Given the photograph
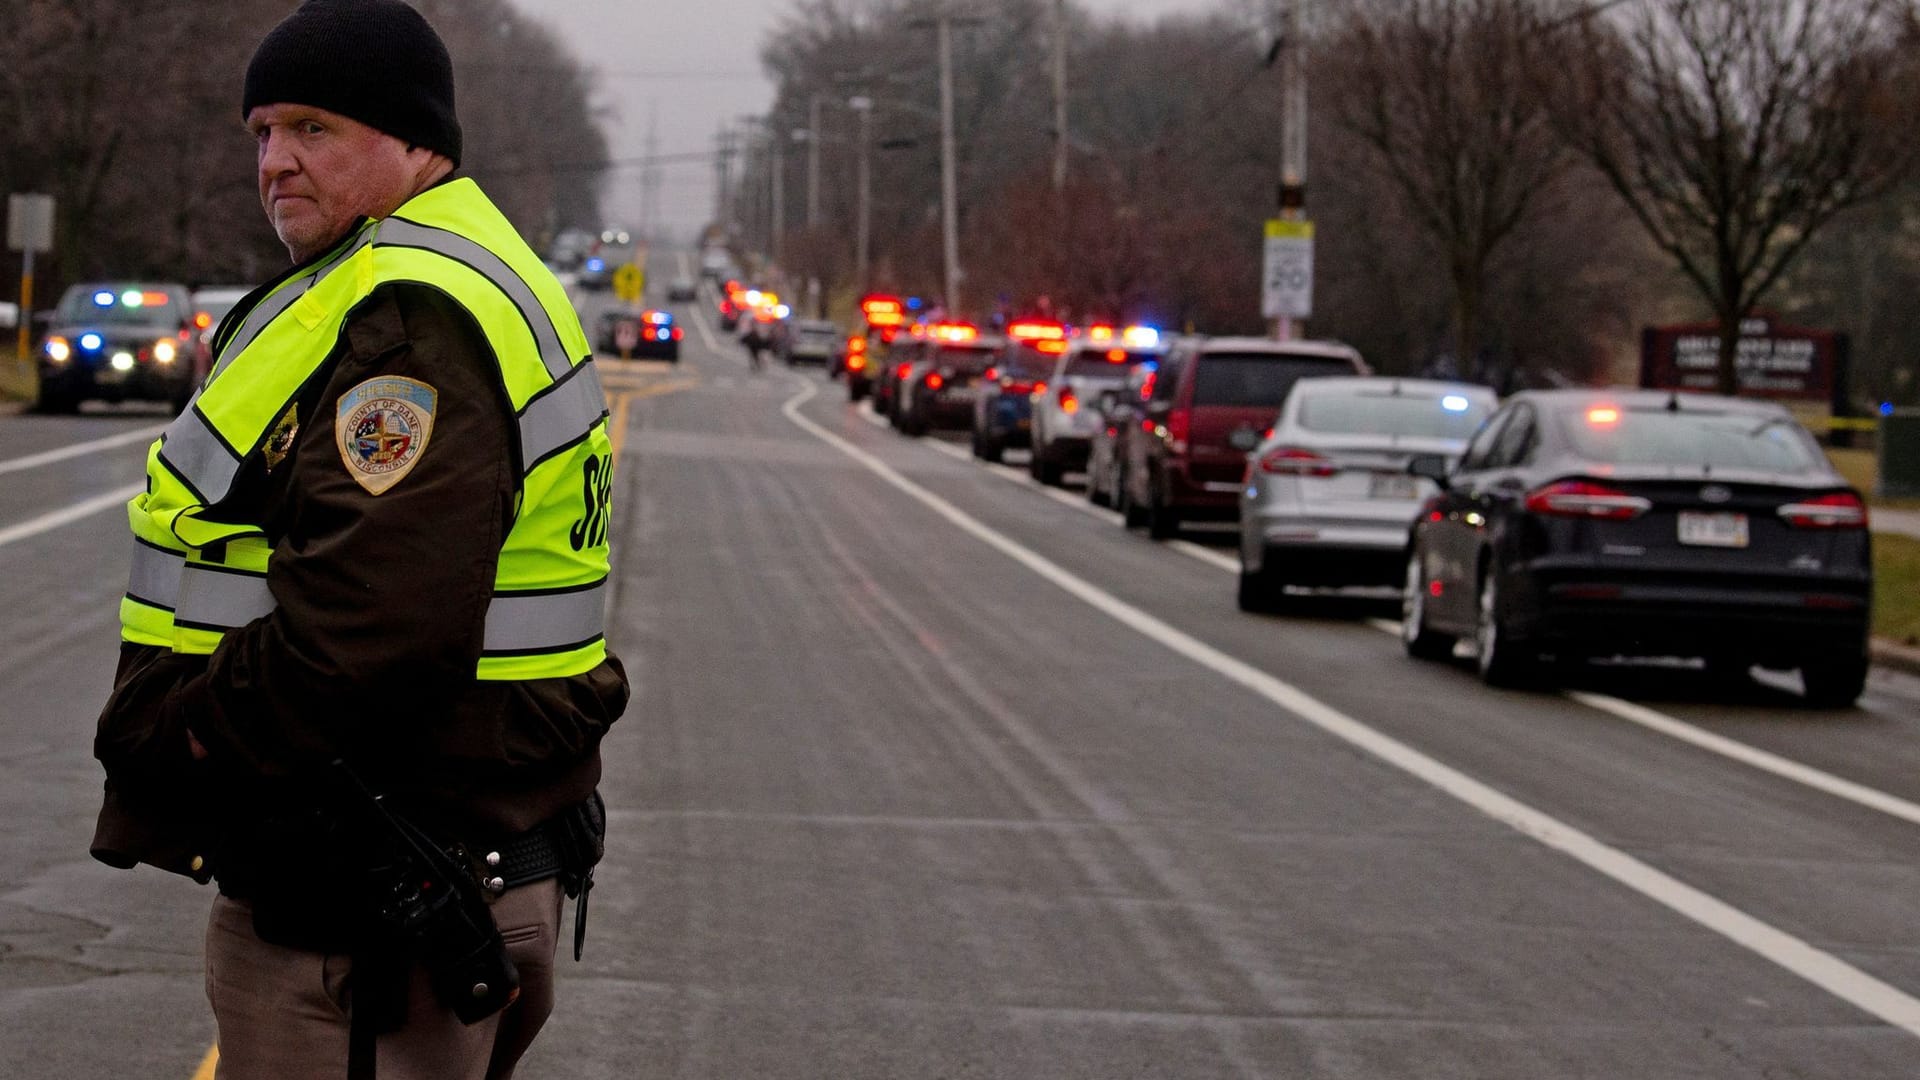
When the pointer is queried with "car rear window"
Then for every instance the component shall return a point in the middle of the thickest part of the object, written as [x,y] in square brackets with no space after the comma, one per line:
[1409,415]
[1097,362]
[1257,379]
[961,356]
[1715,440]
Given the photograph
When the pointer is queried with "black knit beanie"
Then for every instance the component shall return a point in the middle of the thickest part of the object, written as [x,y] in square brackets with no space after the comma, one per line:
[376,61]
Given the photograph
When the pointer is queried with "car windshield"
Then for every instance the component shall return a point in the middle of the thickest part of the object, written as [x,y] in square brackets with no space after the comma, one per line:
[966,357]
[1452,416]
[1762,443]
[817,329]
[1096,362]
[1257,379]
[109,305]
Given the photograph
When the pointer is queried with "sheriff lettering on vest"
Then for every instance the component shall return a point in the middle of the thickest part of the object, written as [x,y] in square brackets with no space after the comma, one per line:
[363,681]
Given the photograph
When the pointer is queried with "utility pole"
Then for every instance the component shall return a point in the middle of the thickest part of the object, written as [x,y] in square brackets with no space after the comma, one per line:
[949,193]
[813,162]
[777,177]
[1293,135]
[863,195]
[1059,95]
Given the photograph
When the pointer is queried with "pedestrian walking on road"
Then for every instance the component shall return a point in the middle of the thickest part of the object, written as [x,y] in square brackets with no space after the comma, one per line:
[363,680]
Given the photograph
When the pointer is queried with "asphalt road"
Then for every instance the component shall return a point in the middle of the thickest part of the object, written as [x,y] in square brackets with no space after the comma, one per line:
[929,773]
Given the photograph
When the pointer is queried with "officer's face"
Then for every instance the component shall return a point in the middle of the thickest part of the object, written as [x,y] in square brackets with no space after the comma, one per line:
[320,172]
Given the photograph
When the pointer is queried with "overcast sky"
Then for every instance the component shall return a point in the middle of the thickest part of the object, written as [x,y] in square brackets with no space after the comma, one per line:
[691,65]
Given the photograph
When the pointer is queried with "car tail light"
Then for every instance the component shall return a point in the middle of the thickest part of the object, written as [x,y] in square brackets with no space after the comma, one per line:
[856,362]
[1838,510]
[992,375]
[1179,423]
[1069,401]
[1293,461]
[1039,389]
[1013,386]
[1586,499]
[900,372]
[935,381]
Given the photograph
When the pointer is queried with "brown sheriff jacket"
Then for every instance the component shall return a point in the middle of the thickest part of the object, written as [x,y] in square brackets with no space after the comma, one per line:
[371,651]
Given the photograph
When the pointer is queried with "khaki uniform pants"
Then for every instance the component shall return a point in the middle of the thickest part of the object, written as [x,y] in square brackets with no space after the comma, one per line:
[283,1013]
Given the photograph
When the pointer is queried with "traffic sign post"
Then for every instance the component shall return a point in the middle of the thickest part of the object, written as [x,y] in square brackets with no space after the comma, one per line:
[1287,270]
[628,282]
[29,230]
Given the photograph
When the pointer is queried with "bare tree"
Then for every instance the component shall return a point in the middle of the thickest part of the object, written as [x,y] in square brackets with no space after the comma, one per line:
[1441,92]
[1735,129]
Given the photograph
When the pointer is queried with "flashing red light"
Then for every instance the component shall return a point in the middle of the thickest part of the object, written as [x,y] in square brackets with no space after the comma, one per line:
[1838,510]
[1586,499]
[1035,330]
[1294,461]
[1100,333]
[873,304]
[1051,348]
[888,333]
[935,381]
[1146,385]
[856,344]
[1603,416]
[953,332]
[676,333]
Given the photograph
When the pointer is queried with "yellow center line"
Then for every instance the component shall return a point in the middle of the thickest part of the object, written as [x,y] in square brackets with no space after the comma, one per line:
[205,1071]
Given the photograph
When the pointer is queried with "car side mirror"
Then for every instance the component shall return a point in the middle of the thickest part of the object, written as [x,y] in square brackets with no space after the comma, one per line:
[1432,466]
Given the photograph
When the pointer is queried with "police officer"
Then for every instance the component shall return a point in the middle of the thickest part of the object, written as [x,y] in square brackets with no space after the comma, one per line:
[371,558]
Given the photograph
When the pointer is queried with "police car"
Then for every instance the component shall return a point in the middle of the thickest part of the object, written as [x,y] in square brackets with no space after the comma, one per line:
[648,334]
[1065,416]
[936,385]
[120,341]
[1003,411]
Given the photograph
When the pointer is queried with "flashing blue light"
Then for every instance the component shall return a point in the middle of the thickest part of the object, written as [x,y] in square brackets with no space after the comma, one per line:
[1886,408]
[1454,403]
[1150,365]
[91,341]
[103,298]
[914,303]
[596,265]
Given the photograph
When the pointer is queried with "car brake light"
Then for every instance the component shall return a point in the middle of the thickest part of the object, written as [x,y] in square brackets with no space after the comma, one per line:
[901,371]
[1586,499]
[856,362]
[1293,461]
[1178,423]
[1838,510]
[934,381]
[1039,389]
[676,333]
[1069,401]
[993,374]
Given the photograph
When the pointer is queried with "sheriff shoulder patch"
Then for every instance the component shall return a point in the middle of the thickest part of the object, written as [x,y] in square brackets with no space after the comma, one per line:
[382,427]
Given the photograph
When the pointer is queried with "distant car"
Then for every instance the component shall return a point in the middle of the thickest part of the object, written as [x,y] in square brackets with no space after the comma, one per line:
[1065,419]
[570,248]
[1643,523]
[1120,412]
[1003,411]
[1213,401]
[715,264]
[120,341]
[810,341]
[681,290]
[943,379]
[655,334]
[210,305]
[1327,499]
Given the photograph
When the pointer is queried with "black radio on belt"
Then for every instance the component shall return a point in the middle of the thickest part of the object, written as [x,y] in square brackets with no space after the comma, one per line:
[426,904]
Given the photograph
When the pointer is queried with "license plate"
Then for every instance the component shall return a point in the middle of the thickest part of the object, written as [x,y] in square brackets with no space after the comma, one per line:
[1713,530]
[1392,486]
[960,393]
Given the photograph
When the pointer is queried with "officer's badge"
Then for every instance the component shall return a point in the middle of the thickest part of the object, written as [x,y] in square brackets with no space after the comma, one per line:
[280,440]
[381,428]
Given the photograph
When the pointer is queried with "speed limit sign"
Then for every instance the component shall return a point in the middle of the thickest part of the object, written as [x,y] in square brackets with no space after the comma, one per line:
[1287,270]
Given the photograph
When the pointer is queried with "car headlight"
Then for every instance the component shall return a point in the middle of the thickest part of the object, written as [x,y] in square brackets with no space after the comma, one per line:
[123,361]
[58,350]
[164,351]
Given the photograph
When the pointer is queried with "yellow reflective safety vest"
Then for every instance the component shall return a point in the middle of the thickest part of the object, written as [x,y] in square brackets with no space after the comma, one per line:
[200,568]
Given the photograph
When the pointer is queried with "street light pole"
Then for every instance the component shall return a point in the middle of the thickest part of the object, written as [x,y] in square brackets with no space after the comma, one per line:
[949,195]
[864,190]
[1293,134]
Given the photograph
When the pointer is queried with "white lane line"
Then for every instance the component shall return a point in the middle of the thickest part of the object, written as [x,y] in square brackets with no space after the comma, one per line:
[1817,966]
[1749,755]
[700,324]
[48,457]
[1217,559]
[871,417]
[87,508]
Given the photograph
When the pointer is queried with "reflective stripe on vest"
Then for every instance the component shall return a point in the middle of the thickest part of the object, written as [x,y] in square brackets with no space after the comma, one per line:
[546,616]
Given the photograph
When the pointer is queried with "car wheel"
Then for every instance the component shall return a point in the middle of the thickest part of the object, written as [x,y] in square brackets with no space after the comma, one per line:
[1421,642]
[1045,469]
[1132,514]
[1097,492]
[1163,521]
[1261,591]
[856,391]
[991,450]
[1836,682]
[56,402]
[1502,660]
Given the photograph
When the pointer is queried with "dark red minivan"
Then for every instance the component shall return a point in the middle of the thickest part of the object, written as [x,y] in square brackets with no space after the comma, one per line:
[1188,459]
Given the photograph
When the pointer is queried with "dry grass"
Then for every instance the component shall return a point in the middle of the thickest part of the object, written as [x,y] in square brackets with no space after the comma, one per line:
[1861,470]
[1896,588]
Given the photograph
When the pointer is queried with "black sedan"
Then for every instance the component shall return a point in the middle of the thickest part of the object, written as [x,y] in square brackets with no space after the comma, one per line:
[120,341]
[644,334]
[1643,523]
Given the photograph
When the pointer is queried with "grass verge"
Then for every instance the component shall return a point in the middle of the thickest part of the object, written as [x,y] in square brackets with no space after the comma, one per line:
[1896,588]
[1861,469]
[17,381]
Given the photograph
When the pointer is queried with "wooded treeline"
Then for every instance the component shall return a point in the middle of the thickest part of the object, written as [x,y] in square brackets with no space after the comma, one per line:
[128,113]
[1508,188]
